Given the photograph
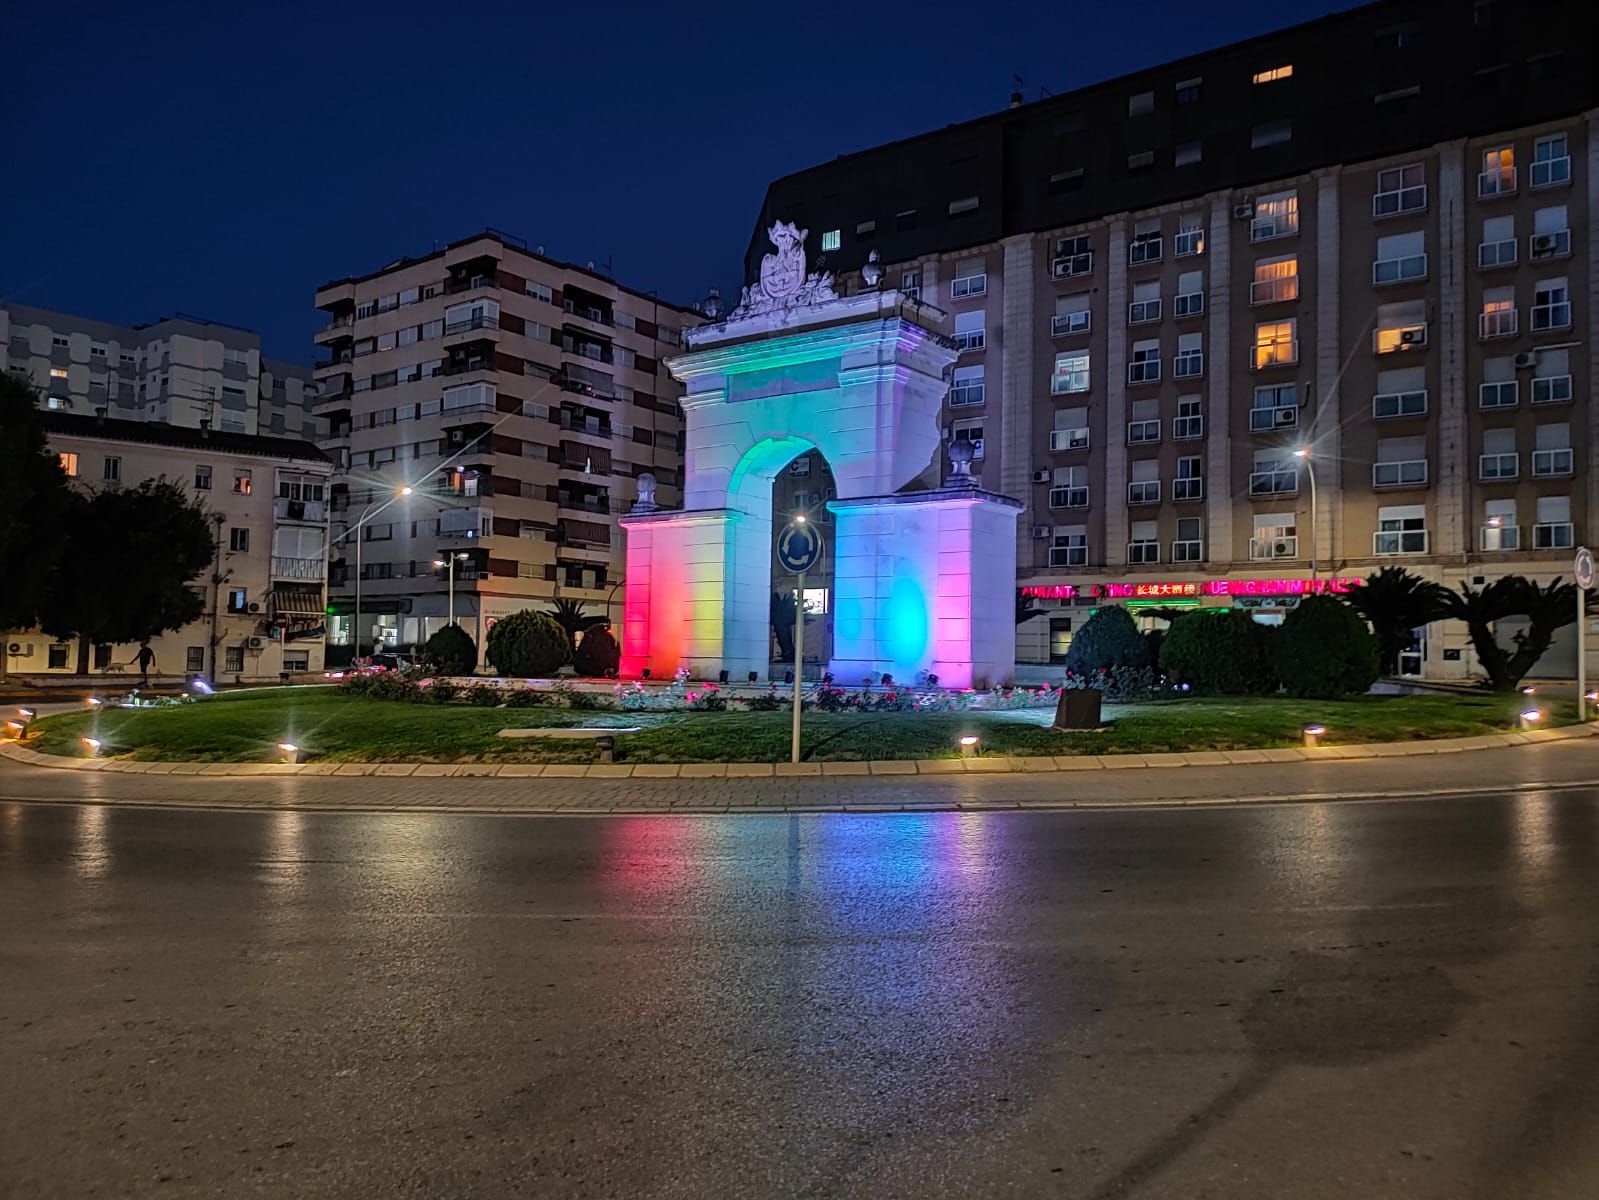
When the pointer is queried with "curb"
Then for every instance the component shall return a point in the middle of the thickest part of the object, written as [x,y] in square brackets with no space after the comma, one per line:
[878,767]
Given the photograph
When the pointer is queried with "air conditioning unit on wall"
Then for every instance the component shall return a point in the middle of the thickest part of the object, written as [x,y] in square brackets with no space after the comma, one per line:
[1041,531]
[1041,476]
[256,643]
[1244,211]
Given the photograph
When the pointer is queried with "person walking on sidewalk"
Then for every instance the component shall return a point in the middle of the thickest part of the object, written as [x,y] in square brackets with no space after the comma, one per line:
[145,658]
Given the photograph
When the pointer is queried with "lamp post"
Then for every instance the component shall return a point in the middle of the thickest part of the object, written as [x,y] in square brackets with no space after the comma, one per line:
[1310,470]
[370,510]
[449,562]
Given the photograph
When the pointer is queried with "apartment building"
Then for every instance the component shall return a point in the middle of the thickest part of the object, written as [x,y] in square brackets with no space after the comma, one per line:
[1269,318]
[517,397]
[266,607]
[180,370]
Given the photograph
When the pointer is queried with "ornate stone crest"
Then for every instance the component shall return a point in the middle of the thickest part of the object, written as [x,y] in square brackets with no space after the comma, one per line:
[784,282]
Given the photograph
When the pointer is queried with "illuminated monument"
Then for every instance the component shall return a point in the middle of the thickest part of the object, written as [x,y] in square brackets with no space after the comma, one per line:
[923,579]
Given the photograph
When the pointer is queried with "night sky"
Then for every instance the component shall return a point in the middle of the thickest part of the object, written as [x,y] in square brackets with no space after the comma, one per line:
[221,161]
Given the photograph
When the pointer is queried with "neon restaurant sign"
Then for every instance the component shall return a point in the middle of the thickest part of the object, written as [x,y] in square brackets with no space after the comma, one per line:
[1191,589]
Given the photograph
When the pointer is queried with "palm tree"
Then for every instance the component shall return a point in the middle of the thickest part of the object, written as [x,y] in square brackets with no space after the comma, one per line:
[1395,603]
[1024,609]
[1547,609]
[570,616]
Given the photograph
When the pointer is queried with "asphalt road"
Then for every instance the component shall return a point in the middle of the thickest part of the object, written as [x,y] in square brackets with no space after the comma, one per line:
[1319,1000]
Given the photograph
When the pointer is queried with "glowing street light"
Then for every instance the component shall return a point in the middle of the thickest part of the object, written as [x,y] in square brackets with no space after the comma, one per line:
[449,561]
[1304,453]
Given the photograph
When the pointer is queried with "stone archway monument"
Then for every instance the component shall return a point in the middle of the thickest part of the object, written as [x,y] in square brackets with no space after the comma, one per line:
[924,578]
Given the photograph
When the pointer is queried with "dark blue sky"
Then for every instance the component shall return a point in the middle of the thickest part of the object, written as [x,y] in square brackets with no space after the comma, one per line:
[223,159]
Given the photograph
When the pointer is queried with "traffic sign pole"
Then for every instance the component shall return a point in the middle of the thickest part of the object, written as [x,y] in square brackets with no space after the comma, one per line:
[1582,569]
[798,548]
[799,663]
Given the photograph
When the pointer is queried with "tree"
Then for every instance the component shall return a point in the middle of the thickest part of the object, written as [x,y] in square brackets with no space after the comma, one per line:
[151,542]
[1324,650]
[1108,639]
[1395,603]
[527,643]
[1547,609]
[570,616]
[451,651]
[597,655]
[1026,610]
[782,618]
[1221,651]
[35,498]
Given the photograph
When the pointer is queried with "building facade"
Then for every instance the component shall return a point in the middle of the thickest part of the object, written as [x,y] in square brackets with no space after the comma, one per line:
[517,397]
[265,600]
[1271,317]
[179,370]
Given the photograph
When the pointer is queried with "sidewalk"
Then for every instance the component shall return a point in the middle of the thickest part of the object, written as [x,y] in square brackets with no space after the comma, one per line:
[1545,759]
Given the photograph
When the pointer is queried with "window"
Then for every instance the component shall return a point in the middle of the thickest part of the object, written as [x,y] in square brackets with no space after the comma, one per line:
[1276,280]
[364,310]
[409,335]
[234,659]
[1498,317]
[238,540]
[1273,74]
[1276,215]
[1551,161]
[1072,258]
[58,342]
[1551,453]
[1401,327]
[1551,377]
[969,332]
[1190,295]
[111,471]
[971,279]
[1188,91]
[1272,133]
[865,229]
[1189,484]
[1274,535]
[58,372]
[57,659]
[540,292]
[1071,315]
[831,240]
[1401,462]
[1069,180]
[1140,103]
[970,431]
[241,483]
[1498,459]
[238,600]
[202,478]
[1401,258]
[1141,161]
[1274,407]
[1143,544]
[1144,366]
[1146,245]
[1498,245]
[1071,430]
[1499,388]
[1400,393]
[296,662]
[1553,530]
[966,204]
[1069,487]
[1551,233]
[1145,305]
[69,463]
[1190,422]
[1401,529]
[1069,546]
[1190,235]
[966,387]
[1276,344]
[1060,639]
[1498,177]
[905,222]
[1499,528]
[910,282]
[194,659]
[1551,306]
[1187,547]
[1143,425]
[1400,190]
[1071,374]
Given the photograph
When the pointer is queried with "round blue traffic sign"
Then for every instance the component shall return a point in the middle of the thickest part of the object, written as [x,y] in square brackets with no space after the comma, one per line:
[798,547]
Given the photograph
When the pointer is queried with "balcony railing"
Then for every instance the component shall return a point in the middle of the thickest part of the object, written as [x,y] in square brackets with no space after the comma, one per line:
[1401,541]
[1142,312]
[1188,242]
[1552,535]
[299,510]
[1274,354]
[1264,420]
[1072,266]
[1143,491]
[1143,432]
[971,339]
[1497,323]
[1068,497]
[1143,553]
[297,568]
[1387,271]
[1068,439]
[1496,254]
[1261,549]
[476,321]
[1278,289]
[1388,405]
[1145,249]
[1188,489]
[1399,339]
[1144,370]
[1065,323]
[1270,227]
[1492,467]
[1551,316]
[1551,172]
[963,395]
[1503,393]
[467,283]
[1542,246]
[1399,200]
[965,286]
[1550,463]
[1068,556]
[1189,304]
[1186,429]
[1190,364]
[1410,472]
[1497,181]
[1187,552]
[1551,389]
[1278,481]
[1500,537]
[595,504]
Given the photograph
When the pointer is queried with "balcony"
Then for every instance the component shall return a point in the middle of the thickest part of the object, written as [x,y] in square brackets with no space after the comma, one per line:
[965,287]
[1552,535]
[1547,318]
[1494,467]
[1400,339]
[971,339]
[1272,226]
[588,424]
[466,283]
[1187,552]
[1142,312]
[1551,172]
[583,502]
[1142,433]
[1274,354]
[1143,491]
[1146,249]
[1399,200]
[1496,536]
[298,568]
[1188,490]
[1188,242]
[1143,553]
[1264,420]
[1551,389]
[1190,364]
[1068,497]
[465,366]
[1144,370]
[1544,246]
[1388,271]
[467,324]
[964,395]
[1399,541]
[1504,393]
[1063,324]
[1276,481]
[1262,549]
[1189,304]
[1386,406]
[1068,439]
[1491,255]
[313,511]
[1496,182]
[1068,556]
[1072,266]
[1549,464]
[589,312]
[1187,429]
[1497,323]
[1407,473]
[1276,290]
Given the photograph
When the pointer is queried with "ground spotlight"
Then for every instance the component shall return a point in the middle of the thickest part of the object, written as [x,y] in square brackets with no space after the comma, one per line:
[202,687]
[93,702]
[969,744]
[1312,734]
[92,745]
[1528,717]
[288,752]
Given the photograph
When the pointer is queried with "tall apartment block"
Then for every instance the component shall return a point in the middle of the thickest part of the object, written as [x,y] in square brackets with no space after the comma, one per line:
[180,370]
[1278,314]
[517,397]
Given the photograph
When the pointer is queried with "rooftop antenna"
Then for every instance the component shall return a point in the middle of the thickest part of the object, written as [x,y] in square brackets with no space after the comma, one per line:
[1016,92]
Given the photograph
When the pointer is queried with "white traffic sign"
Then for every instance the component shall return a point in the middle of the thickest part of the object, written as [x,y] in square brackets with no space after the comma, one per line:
[1582,566]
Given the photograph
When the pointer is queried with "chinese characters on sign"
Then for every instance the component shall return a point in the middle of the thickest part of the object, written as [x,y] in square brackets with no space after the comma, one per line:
[1210,587]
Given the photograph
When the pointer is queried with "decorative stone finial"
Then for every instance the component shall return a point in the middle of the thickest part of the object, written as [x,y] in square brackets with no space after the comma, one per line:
[960,465]
[872,272]
[646,494]
[784,283]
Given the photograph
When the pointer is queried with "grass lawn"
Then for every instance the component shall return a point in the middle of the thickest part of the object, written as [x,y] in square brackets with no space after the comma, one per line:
[246,726]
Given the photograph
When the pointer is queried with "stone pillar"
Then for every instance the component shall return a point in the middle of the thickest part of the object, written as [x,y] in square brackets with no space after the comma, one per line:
[1114,496]
[1326,440]
[1588,532]
[1017,334]
[1219,498]
[1449,519]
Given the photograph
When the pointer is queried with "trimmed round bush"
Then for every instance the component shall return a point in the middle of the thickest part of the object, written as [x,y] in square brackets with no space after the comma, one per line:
[1107,640]
[597,656]
[451,651]
[1220,651]
[527,643]
[1324,650]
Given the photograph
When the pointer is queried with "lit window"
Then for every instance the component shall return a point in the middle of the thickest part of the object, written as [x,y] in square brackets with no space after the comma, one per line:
[69,463]
[1276,280]
[1071,374]
[238,600]
[831,240]
[58,372]
[1276,215]
[1273,74]
[1276,344]
[241,483]
[1498,176]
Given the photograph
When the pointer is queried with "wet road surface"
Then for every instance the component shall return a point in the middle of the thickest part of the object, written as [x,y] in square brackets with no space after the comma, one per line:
[1358,1000]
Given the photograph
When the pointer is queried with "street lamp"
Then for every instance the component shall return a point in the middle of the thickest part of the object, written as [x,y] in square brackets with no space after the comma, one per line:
[1310,470]
[450,563]
[370,510]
